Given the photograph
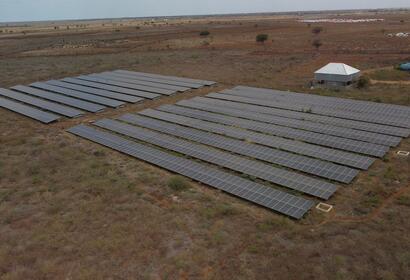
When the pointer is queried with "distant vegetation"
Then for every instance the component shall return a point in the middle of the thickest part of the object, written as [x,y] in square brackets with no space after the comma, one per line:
[261,38]
[363,82]
[317,43]
[317,30]
[204,33]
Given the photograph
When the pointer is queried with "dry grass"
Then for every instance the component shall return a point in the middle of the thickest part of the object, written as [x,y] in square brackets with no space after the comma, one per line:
[72,209]
[391,74]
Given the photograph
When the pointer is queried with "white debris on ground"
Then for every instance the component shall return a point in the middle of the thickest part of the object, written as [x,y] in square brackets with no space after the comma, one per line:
[341,20]
[400,34]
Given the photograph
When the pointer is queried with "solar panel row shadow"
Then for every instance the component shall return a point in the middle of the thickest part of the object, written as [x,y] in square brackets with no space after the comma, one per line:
[254,168]
[363,126]
[106,81]
[110,76]
[156,80]
[28,111]
[122,90]
[299,124]
[287,204]
[73,102]
[80,95]
[308,109]
[336,102]
[41,103]
[99,92]
[155,121]
[314,151]
[291,133]
[170,78]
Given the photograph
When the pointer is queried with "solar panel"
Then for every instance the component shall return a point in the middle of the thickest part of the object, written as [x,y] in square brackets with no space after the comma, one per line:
[296,134]
[102,80]
[339,157]
[80,95]
[308,109]
[99,92]
[309,165]
[122,90]
[364,126]
[169,78]
[110,76]
[313,102]
[276,200]
[76,103]
[299,124]
[41,103]
[155,80]
[28,111]
[254,168]
[336,102]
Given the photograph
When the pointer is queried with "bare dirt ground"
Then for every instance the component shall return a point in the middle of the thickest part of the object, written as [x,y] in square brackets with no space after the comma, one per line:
[70,209]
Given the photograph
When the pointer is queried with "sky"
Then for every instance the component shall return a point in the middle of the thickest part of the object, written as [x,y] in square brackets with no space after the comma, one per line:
[33,10]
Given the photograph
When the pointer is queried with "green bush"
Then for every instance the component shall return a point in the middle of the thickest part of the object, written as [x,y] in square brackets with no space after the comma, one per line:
[178,183]
[261,38]
[363,82]
[204,33]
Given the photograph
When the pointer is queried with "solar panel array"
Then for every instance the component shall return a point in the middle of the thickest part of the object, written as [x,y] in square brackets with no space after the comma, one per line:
[299,143]
[72,97]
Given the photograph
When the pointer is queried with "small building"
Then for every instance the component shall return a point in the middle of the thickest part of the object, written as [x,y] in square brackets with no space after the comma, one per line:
[337,75]
[405,66]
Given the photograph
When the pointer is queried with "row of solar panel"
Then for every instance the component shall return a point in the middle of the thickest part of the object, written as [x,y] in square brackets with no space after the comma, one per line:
[302,163]
[334,102]
[270,111]
[298,147]
[241,164]
[276,200]
[286,132]
[293,106]
[314,105]
[295,123]
[72,97]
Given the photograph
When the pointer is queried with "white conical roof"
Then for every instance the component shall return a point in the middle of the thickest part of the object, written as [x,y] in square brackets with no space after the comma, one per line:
[337,69]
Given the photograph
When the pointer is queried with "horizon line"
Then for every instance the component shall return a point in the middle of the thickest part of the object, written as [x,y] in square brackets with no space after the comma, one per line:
[205,15]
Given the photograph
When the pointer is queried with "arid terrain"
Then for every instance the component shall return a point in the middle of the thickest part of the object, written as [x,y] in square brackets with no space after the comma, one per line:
[70,209]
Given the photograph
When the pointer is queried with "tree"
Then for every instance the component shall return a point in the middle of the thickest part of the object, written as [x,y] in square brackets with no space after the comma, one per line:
[317,43]
[261,38]
[363,82]
[204,33]
[316,30]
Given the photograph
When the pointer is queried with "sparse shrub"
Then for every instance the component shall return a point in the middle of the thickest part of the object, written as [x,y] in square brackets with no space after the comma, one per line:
[204,33]
[178,183]
[404,200]
[317,30]
[261,38]
[363,82]
[317,43]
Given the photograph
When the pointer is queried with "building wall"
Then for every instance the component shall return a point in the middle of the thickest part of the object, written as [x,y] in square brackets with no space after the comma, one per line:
[337,78]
